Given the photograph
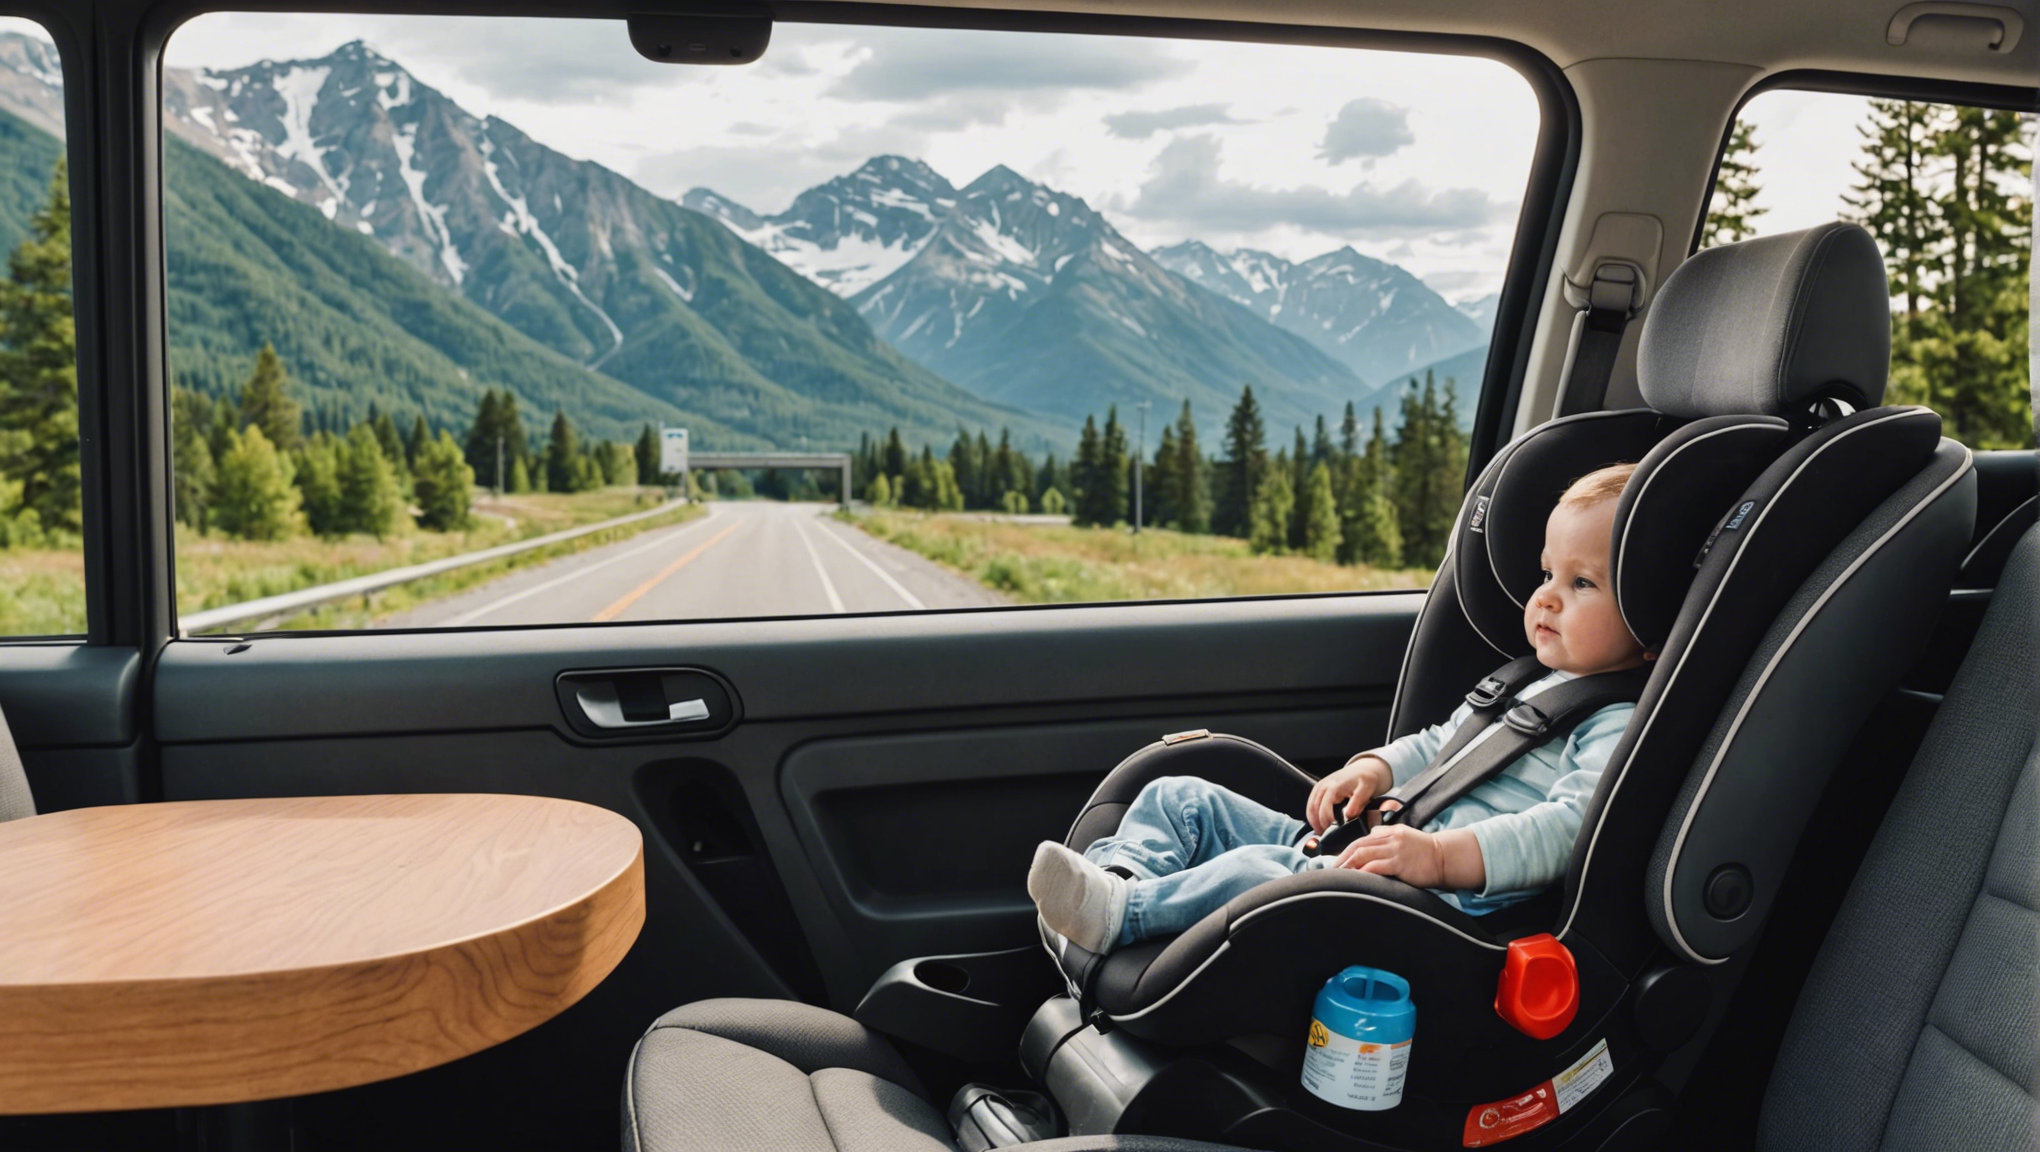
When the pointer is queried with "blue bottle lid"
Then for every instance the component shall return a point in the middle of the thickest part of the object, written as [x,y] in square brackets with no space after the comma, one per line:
[1368,1004]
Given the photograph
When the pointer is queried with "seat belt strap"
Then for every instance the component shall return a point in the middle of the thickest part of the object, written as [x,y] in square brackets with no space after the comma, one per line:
[1610,300]
[1550,715]
[1489,698]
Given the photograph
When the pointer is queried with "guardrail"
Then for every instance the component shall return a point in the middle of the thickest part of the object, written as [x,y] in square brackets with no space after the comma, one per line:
[290,602]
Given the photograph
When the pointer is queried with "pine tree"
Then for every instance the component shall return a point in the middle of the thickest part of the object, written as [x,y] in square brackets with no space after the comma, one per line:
[1891,199]
[1299,487]
[562,457]
[253,497]
[414,443]
[1084,474]
[1321,531]
[1730,215]
[1369,532]
[1268,519]
[520,476]
[266,402]
[39,370]
[1113,501]
[964,466]
[1413,459]
[444,484]
[1189,497]
[895,457]
[1160,484]
[879,492]
[648,449]
[317,465]
[191,459]
[389,440]
[370,495]
[1244,469]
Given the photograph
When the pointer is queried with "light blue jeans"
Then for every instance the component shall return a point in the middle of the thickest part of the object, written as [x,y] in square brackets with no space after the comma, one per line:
[1192,846]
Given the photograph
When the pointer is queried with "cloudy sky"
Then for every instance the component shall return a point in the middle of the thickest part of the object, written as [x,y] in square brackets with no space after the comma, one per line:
[1416,159]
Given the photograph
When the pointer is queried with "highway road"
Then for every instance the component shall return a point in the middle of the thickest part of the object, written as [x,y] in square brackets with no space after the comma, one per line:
[744,559]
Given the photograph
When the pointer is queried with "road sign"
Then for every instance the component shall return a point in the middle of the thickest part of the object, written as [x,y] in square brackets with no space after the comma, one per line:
[672,449]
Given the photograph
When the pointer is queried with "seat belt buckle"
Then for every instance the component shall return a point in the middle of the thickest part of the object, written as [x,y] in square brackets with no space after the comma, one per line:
[1539,991]
[1527,719]
[1488,693]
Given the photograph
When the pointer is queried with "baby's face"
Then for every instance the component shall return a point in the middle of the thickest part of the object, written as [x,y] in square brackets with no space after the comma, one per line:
[1571,618]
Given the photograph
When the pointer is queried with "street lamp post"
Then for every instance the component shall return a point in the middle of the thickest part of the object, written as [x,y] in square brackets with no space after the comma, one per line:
[1140,450]
[499,466]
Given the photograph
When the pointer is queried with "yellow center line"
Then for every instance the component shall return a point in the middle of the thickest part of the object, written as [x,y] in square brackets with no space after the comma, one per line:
[636,594]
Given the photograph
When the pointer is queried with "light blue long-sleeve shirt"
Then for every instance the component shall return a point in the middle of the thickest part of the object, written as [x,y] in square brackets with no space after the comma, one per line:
[1527,816]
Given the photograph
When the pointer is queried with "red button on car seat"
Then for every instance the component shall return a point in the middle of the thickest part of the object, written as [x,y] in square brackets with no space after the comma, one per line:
[1539,993]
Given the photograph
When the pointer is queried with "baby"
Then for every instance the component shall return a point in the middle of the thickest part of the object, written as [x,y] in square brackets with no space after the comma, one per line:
[1186,847]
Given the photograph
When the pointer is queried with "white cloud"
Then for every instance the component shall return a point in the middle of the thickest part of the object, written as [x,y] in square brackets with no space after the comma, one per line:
[1141,125]
[1366,129]
[1186,188]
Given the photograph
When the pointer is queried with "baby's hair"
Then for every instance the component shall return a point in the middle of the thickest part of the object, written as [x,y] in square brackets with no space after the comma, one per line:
[1596,486]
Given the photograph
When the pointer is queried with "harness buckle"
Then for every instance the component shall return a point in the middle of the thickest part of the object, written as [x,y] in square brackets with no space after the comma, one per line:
[1527,719]
[1488,693]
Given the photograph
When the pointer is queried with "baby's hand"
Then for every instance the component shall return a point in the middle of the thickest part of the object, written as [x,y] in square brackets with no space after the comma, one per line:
[1395,850]
[1363,777]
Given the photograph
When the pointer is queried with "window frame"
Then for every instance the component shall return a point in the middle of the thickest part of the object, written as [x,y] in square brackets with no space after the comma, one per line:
[1532,254]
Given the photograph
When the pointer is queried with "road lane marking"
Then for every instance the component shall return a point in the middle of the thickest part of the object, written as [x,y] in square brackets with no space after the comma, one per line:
[912,600]
[829,586]
[636,594]
[576,574]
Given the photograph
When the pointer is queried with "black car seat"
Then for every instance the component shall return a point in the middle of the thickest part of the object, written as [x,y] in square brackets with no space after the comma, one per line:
[1765,670]
[1919,1026]
[1817,585]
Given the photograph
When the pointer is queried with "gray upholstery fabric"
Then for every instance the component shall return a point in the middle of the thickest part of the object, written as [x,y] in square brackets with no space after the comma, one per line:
[1762,325]
[689,1087]
[1920,1024]
[16,800]
[776,1076]
[807,1037]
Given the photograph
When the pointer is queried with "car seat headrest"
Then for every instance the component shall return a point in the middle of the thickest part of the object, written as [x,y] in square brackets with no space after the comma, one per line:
[1684,491]
[1501,526]
[1686,481]
[1768,325]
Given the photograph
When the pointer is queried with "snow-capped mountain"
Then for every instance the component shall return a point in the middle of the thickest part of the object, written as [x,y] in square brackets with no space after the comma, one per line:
[567,251]
[850,232]
[1028,297]
[1376,318]
[32,81]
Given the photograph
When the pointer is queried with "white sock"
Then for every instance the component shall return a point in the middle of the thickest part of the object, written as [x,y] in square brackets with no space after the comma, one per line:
[1078,899]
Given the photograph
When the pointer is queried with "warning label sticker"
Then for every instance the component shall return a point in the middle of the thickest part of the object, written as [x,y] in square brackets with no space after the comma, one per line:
[1506,1119]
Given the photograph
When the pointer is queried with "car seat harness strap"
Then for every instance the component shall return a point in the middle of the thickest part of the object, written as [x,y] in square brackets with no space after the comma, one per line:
[1458,768]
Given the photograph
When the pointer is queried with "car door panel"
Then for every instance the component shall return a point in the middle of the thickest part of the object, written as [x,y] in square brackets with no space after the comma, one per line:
[72,711]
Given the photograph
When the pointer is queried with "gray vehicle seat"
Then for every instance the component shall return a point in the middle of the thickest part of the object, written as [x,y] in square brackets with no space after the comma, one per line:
[776,1076]
[1919,1026]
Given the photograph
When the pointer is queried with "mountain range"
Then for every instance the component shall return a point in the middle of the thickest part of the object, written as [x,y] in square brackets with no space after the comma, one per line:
[463,254]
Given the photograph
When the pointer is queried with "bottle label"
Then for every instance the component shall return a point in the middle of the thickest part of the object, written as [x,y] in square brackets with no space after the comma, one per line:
[1351,1074]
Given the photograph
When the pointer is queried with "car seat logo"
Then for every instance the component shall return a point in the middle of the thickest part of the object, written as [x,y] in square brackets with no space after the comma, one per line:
[1478,521]
[1742,513]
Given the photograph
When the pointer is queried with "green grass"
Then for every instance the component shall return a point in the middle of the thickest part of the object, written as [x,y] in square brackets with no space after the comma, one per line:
[1057,564]
[42,591]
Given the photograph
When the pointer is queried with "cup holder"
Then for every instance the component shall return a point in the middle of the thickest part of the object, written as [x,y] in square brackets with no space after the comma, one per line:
[942,976]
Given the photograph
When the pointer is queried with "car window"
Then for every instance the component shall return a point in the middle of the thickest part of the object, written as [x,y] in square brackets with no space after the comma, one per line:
[1948,192]
[434,297]
[42,560]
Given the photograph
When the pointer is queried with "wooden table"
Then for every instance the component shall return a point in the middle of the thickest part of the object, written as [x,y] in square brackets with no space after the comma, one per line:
[207,952]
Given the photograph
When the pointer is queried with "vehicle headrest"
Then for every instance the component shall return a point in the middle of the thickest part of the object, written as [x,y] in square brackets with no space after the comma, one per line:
[1767,325]
[1683,492]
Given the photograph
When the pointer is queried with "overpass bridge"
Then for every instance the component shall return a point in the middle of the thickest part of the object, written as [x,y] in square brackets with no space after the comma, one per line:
[804,461]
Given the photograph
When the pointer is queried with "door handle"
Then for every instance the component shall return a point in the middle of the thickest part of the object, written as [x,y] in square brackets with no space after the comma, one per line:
[600,704]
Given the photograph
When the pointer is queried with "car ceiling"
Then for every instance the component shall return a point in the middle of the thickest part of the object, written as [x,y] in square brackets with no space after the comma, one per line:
[1769,35]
